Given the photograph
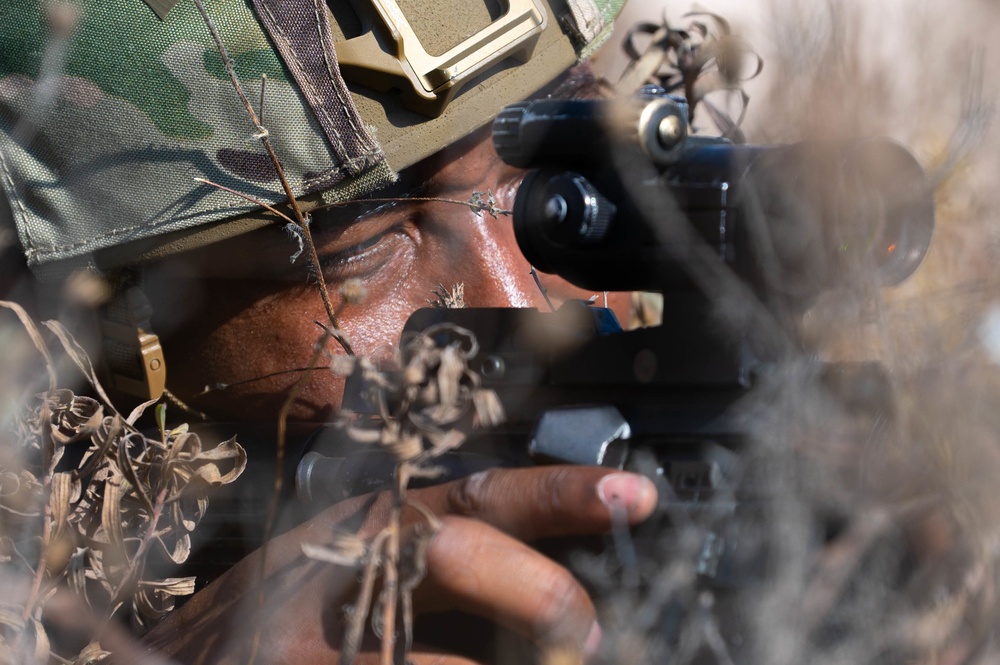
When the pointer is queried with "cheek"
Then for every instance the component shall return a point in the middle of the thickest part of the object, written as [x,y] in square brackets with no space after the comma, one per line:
[257,341]
[247,354]
[373,326]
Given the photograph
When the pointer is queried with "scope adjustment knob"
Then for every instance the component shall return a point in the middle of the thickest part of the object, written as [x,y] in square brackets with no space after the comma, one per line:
[657,123]
[507,135]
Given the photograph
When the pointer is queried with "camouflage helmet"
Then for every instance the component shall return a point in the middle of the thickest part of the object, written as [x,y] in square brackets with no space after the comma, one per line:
[114,112]
[110,109]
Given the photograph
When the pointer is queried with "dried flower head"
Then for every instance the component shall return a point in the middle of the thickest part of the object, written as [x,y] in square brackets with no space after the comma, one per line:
[342,365]
[427,407]
[353,291]
[705,58]
[453,298]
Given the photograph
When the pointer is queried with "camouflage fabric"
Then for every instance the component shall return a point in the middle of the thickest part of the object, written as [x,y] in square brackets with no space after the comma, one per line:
[107,119]
[103,129]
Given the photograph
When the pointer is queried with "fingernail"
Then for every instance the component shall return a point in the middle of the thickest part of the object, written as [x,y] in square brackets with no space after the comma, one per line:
[593,641]
[623,490]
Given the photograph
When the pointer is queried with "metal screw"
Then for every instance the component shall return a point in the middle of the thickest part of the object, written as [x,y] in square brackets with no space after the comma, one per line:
[669,131]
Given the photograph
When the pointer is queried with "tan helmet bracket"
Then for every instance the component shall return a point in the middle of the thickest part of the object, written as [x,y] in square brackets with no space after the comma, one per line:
[132,352]
[428,83]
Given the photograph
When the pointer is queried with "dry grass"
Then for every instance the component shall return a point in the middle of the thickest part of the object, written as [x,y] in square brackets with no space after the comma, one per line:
[881,543]
[88,502]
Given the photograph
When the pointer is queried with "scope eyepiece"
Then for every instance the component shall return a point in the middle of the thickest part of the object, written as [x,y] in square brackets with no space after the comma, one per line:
[572,211]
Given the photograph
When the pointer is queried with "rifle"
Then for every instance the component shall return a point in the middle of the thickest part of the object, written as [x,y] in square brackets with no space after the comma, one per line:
[739,239]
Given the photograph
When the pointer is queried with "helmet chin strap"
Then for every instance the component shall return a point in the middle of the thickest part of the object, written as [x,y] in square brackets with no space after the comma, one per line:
[132,353]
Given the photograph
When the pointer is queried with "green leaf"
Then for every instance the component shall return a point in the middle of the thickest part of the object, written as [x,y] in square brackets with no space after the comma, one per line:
[161,418]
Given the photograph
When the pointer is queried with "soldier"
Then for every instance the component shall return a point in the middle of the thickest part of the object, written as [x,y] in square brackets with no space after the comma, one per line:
[112,110]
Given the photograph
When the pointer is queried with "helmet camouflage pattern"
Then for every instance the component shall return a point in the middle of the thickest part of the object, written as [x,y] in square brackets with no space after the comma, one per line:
[109,109]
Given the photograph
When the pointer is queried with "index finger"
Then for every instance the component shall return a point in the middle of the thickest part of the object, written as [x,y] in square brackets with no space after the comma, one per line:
[545,501]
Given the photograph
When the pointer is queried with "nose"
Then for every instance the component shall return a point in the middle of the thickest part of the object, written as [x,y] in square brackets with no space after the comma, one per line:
[497,274]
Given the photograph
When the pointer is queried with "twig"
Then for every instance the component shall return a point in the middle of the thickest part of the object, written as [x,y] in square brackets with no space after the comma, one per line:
[260,107]
[544,291]
[333,332]
[475,206]
[219,387]
[135,565]
[390,585]
[359,613]
[251,199]
[300,219]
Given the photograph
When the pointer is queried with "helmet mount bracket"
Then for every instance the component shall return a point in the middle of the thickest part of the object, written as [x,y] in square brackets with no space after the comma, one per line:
[428,82]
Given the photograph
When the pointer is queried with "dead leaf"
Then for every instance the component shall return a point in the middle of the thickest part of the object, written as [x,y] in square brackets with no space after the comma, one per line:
[181,549]
[79,357]
[35,631]
[174,586]
[91,654]
[342,552]
[111,515]
[36,338]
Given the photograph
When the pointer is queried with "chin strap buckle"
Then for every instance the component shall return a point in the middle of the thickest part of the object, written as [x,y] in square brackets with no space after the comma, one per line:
[132,351]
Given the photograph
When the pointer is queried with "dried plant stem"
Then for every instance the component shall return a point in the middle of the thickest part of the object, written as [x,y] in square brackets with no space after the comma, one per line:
[356,628]
[474,206]
[219,387]
[36,582]
[390,583]
[184,406]
[542,289]
[46,449]
[251,199]
[279,463]
[300,219]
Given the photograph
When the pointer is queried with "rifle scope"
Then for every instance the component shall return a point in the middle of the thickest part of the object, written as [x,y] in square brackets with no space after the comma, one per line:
[619,195]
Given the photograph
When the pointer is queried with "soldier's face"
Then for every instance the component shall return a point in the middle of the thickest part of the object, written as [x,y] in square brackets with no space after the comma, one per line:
[240,313]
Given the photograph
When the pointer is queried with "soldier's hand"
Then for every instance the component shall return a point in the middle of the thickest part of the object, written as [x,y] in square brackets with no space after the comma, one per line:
[479,562]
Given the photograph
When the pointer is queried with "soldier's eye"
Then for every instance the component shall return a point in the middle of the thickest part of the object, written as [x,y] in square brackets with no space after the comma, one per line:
[362,258]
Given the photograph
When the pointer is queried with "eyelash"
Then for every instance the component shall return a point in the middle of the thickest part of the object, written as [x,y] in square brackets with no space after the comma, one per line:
[360,259]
